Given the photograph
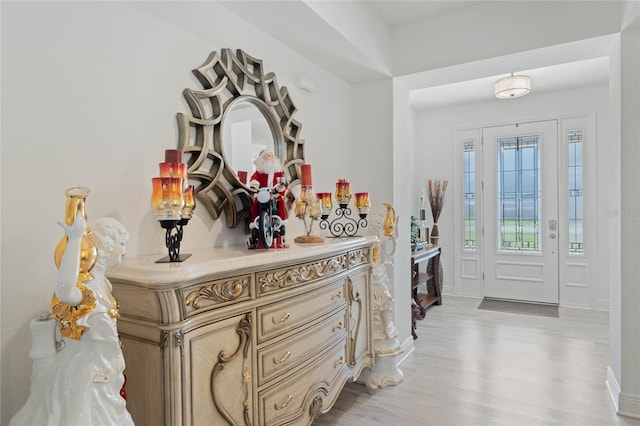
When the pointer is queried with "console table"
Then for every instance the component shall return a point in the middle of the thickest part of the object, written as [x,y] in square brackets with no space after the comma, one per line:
[245,337]
[420,297]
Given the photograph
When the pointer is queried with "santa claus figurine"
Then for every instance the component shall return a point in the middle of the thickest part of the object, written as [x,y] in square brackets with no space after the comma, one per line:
[269,174]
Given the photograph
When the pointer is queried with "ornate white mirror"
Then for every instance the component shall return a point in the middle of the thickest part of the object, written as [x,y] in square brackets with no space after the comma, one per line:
[235,89]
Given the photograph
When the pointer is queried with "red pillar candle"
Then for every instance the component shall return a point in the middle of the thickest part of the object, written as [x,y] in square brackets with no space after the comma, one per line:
[173,156]
[242,176]
[305,171]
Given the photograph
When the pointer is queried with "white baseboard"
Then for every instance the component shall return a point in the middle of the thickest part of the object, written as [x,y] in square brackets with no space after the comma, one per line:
[613,386]
[407,348]
[627,404]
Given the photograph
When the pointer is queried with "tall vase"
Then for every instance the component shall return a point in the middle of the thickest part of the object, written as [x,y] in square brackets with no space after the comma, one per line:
[435,233]
[76,197]
[67,315]
[390,219]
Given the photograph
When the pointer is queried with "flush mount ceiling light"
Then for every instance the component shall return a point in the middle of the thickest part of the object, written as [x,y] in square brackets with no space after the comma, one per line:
[513,86]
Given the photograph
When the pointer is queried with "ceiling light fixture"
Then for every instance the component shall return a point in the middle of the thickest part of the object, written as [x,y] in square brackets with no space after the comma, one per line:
[513,86]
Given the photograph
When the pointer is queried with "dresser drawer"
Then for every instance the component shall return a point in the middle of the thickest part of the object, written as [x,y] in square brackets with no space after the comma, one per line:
[281,317]
[292,352]
[288,402]
[213,294]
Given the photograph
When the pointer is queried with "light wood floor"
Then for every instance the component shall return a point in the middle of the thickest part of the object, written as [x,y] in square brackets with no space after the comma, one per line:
[477,367]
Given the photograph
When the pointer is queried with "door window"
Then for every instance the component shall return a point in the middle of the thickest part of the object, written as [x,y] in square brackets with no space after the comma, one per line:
[519,194]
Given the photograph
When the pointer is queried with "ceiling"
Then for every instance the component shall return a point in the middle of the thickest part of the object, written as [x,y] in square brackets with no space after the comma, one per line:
[554,78]
[400,12]
[296,24]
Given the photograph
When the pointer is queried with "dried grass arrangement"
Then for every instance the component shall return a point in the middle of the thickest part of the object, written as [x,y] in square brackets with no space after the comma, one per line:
[436,191]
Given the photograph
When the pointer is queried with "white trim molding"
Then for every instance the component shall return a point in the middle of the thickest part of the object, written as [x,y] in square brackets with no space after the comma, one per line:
[626,404]
[629,405]
[612,385]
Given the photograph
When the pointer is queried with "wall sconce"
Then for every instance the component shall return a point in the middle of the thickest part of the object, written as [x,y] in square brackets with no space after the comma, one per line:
[513,86]
[344,225]
[307,207]
[173,202]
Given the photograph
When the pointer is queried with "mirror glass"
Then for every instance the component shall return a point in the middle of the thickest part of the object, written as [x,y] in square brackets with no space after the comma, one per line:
[245,133]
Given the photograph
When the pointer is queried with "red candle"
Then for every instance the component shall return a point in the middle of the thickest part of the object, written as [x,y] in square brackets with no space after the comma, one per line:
[173,156]
[242,176]
[305,171]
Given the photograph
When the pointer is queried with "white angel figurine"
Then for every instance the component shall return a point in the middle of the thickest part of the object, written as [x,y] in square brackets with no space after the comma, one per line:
[83,379]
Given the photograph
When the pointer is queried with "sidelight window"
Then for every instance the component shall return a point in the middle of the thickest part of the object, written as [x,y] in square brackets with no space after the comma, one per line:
[575,174]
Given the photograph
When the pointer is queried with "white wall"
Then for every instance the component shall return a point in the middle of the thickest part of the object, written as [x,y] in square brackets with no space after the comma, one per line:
[434,158]
[89,97]
[629,349]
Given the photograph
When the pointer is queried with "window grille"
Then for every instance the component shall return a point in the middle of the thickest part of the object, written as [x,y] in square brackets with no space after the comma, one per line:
[519,194]
[575,184]
[469,201]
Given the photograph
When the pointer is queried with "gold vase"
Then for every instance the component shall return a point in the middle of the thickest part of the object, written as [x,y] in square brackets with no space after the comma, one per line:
[66,315]
[76,197]
[389,224]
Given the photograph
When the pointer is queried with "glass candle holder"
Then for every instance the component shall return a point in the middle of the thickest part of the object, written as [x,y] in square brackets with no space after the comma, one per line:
[167,199]
[362,203]
[300,209]
[189,203]
[343,192]
[175,170]
[306,194]
[315,209]
[325,203]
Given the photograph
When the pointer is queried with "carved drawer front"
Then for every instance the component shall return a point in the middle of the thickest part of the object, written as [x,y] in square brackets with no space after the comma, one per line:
[216,293]
[291,401]
[358,257]
[292,352]
[294,276]
[278,318]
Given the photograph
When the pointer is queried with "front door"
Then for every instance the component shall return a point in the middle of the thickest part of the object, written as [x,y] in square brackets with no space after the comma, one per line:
[520,181]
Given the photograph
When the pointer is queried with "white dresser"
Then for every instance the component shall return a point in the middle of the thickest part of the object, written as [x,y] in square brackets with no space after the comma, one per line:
[245,337]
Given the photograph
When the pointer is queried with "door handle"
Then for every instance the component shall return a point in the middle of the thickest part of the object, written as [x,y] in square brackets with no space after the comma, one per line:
[552,235]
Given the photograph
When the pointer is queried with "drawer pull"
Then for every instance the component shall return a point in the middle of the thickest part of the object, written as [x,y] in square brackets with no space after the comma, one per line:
[281,320]
[338,362]
[281,360]
[338,326]
[284,404]
[336,295]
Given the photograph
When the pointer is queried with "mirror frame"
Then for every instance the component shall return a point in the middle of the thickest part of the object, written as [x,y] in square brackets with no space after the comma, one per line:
[227,79]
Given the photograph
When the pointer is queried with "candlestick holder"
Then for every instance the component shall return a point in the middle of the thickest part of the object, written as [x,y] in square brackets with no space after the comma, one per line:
[308,209]
[344,225]
[173,202]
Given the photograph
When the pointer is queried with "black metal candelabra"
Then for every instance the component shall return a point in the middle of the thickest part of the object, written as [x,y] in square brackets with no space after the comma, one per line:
[173,238]
[343,225]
